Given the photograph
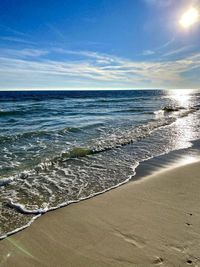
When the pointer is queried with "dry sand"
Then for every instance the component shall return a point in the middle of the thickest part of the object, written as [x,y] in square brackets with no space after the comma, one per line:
[152,222]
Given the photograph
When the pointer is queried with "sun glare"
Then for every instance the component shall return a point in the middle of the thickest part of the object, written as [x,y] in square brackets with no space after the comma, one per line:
[190,17]
[182,97]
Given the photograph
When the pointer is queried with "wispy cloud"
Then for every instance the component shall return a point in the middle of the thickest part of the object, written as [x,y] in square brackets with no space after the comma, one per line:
[56,32]
[96,69]
[160,3]
[99,57]
[166,44]
[16,40]
[177,51]
[11,35]
[12,31]
[148,52]
[23,53]
[158,49]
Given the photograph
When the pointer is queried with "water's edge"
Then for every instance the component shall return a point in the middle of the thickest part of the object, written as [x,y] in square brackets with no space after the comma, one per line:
[150,166]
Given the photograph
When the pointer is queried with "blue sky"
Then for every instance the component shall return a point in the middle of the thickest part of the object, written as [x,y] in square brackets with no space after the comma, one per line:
[97,44]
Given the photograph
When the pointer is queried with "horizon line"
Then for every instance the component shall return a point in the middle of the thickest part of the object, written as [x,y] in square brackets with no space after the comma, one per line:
[93,89]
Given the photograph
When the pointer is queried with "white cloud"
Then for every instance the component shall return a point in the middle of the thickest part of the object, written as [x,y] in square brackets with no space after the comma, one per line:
[100,58]
[97,70]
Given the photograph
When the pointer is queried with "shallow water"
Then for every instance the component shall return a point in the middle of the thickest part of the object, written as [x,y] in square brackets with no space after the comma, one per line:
[62,147]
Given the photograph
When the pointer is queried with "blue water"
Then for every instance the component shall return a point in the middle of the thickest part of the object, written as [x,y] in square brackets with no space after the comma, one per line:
[59,147]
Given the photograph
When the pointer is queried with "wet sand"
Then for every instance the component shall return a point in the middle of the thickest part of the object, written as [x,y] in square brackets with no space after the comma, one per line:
[151,222]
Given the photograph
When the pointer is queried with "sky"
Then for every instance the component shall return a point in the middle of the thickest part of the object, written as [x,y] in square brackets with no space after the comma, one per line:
[97,44]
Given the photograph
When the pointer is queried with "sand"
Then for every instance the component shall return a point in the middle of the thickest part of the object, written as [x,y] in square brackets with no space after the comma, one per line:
[151,222]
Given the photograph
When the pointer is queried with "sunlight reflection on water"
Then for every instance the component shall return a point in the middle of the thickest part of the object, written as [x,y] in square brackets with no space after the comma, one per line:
[181,97]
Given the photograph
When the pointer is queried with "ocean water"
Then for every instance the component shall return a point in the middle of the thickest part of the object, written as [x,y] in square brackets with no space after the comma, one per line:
[60,147]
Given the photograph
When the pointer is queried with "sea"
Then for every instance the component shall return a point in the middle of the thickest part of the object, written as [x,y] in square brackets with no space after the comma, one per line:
[61,147]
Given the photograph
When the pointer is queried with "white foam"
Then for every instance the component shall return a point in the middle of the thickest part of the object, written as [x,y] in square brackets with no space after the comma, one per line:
[21,208]
[39,212]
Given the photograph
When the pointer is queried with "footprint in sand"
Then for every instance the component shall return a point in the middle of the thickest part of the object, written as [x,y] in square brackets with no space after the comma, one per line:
[158,261]
[189,224]
[132,239]
[189,262]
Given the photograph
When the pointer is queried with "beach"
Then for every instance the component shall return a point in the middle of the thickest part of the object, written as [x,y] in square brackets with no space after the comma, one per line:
[150,222]
[60,147]
[100,133]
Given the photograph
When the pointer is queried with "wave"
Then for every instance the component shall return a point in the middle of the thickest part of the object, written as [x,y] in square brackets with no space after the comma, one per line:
[110,140]
[169,110]
[38,212]
[19,112]
[121,100]
[131,110]
[11,112]
[33,134]
[23,135]
[113,139]
[107,142]
[35,110]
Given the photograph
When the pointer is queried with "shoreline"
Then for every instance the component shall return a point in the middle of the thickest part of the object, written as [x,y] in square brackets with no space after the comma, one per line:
[142,223]
[147,167]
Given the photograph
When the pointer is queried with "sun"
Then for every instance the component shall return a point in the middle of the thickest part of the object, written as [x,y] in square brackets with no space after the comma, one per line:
[190,17]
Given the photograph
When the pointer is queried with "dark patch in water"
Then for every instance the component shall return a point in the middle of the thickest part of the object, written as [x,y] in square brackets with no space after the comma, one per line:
[172,109]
